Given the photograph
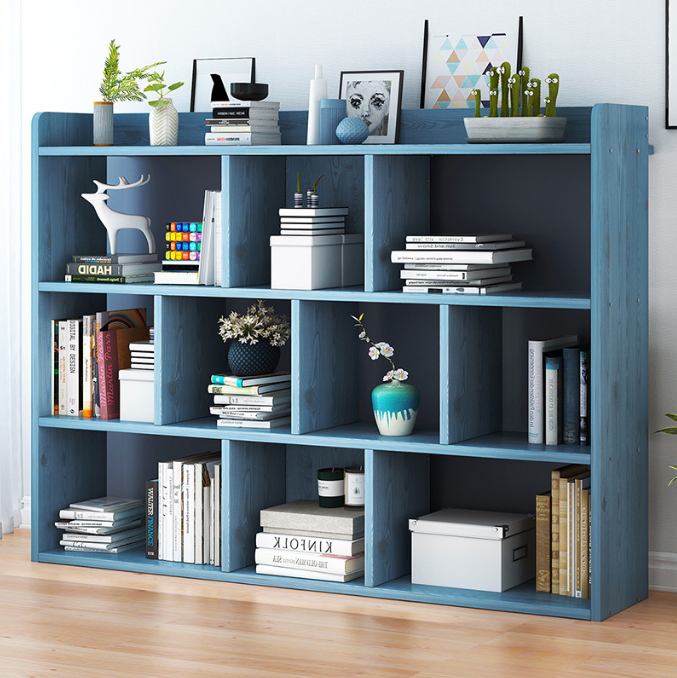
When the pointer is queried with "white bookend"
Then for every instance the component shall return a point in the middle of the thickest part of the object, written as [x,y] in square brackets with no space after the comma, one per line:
[536,374]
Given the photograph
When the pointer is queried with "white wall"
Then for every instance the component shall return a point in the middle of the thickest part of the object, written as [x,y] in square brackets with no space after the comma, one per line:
[604,51]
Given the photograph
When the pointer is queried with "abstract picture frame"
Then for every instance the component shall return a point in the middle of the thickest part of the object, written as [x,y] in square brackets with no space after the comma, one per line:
[230,70]
[376,98]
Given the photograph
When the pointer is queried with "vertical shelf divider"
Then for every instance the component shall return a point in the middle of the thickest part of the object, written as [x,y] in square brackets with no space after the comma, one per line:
[397,487]
[470,372]
[397,204]
[253,189]
[253,478]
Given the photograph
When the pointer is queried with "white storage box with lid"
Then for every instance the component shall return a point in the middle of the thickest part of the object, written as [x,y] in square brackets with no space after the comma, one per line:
[300,262]
[352,260]
[137,395]
[479,550]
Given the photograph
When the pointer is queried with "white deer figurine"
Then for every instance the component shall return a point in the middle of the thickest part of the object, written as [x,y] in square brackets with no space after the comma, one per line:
[115,221]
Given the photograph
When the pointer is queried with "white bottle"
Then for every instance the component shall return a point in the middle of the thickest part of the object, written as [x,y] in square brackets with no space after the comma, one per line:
[318,90]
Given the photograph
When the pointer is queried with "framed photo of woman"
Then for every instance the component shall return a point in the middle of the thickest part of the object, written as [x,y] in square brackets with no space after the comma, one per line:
[376,98]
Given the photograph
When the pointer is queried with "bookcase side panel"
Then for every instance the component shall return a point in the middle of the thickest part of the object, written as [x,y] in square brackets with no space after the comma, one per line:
[253,479]
[254,190]
[470,388]
[67,466]
[397,487]
[619,358]
[189,350]
[397,205]
[324,365]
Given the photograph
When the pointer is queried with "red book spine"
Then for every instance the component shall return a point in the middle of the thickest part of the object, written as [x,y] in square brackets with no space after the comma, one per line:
[109,391]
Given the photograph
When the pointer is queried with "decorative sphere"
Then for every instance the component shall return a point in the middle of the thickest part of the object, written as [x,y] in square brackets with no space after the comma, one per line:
[352,131]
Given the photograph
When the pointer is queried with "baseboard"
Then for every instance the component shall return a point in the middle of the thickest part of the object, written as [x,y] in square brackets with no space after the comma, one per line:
[25,513]
[663,571]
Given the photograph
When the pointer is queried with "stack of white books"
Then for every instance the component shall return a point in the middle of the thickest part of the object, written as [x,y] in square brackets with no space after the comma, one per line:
[302,539]
[262,401]
[460,264]
[104,525]
[244,123]
[313,221]
[142,354]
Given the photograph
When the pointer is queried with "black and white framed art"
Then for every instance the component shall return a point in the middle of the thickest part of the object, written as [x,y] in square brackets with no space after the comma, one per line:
[228,71]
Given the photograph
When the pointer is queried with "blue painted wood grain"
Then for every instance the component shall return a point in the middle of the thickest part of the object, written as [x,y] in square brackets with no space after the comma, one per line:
[324,365]
[470,388]
[253,479]
[619,358]
[399,205]
[255,192]
[397,487]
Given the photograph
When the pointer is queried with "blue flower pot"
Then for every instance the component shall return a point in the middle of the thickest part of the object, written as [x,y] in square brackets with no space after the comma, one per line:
[395,408]
[247,360]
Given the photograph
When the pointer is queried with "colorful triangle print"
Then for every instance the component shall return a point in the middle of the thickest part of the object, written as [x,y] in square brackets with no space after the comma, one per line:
[440,82]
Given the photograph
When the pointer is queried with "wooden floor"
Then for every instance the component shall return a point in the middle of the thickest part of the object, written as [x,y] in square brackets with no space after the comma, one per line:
[75,622]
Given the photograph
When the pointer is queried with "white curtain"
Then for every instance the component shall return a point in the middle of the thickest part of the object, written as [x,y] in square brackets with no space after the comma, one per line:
[11,344]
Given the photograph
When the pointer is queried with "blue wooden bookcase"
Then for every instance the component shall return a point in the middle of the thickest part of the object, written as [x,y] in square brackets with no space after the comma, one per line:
[581,204]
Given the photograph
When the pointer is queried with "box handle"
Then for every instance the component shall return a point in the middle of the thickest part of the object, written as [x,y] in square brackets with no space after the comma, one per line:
[519,553]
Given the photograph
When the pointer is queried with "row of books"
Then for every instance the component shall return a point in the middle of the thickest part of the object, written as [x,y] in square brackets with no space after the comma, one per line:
[301,539]
[88,354]
[559,402]
[460,264]
[262,401]
[105,525]
[183,511]
[563,543]
[244,123]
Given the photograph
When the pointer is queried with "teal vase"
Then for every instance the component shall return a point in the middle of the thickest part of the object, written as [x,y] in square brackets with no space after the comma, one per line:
[395,408]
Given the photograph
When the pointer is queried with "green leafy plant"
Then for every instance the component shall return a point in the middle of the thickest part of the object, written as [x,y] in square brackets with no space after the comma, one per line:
[118,87]
[671,430]
[158,86]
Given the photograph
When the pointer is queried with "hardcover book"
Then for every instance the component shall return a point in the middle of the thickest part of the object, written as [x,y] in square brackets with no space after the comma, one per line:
[310,516]
[107,504]
[307,574]
[310,561]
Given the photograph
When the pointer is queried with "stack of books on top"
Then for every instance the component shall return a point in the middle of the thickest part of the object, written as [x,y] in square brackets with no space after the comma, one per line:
[104,525]
[460,264]
[244,123]
[142,354]
[112,268]
[303,540]
[563,533]
[315,221]
[263,401]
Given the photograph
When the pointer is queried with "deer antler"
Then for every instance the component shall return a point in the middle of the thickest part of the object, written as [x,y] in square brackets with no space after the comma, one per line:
[122,184]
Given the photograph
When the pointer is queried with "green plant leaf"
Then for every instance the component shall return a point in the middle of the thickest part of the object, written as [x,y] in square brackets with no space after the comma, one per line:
[672,481]
[670,429]
[673,467]
[176,85]
[672,416]
[153,88]
[158,103]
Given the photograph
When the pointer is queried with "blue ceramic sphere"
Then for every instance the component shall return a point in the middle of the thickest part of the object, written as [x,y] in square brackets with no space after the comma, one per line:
[352,131]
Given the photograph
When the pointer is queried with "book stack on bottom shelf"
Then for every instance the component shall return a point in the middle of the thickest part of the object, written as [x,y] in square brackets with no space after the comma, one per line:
[303,540]
[563,544]
[183,511]
[460,264]
[262,401]
[106,525]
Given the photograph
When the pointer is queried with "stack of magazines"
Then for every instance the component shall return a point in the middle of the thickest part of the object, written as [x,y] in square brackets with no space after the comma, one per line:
[460,264]
[105,525]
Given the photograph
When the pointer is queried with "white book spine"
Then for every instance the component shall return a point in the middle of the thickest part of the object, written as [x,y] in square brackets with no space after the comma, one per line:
[63,367]
[87,326]
[199,512]
[188,495]
[169,532]
[206,524]
[74,385]
[177,504]
[217,515]
[551,376]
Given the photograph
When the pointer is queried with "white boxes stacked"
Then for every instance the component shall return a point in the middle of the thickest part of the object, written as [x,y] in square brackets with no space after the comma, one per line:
[137,385]
[479,550]
[313,251]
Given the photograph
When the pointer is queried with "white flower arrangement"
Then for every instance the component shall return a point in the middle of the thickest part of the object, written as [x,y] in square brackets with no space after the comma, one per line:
[259,322]
[381,349]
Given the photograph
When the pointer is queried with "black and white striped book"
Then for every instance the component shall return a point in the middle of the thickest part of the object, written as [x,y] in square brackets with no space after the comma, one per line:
[482,274]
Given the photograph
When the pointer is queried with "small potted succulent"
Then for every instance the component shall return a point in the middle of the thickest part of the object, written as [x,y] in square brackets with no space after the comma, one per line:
[115,86]
[163,119]
[510,122]
[394,403]
[255,339]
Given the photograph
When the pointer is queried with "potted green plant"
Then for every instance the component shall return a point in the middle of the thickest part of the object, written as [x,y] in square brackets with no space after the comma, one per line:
[395,404]
[163,119]
[115,86]
[256,337]
[672,430]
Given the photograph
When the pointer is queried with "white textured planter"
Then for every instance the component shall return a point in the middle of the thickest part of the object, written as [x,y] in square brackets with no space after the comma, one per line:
[164,125]
[514,130]
[103,123]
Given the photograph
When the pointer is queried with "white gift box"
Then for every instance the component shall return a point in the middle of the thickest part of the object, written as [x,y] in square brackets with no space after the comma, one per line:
[300,262]
[479,550]
[137,395]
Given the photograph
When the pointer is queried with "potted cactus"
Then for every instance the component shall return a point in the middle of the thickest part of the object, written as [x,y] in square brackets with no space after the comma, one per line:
[519,118]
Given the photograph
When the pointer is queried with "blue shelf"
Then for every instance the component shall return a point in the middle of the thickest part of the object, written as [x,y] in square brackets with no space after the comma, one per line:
[519,599]
[351,294]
